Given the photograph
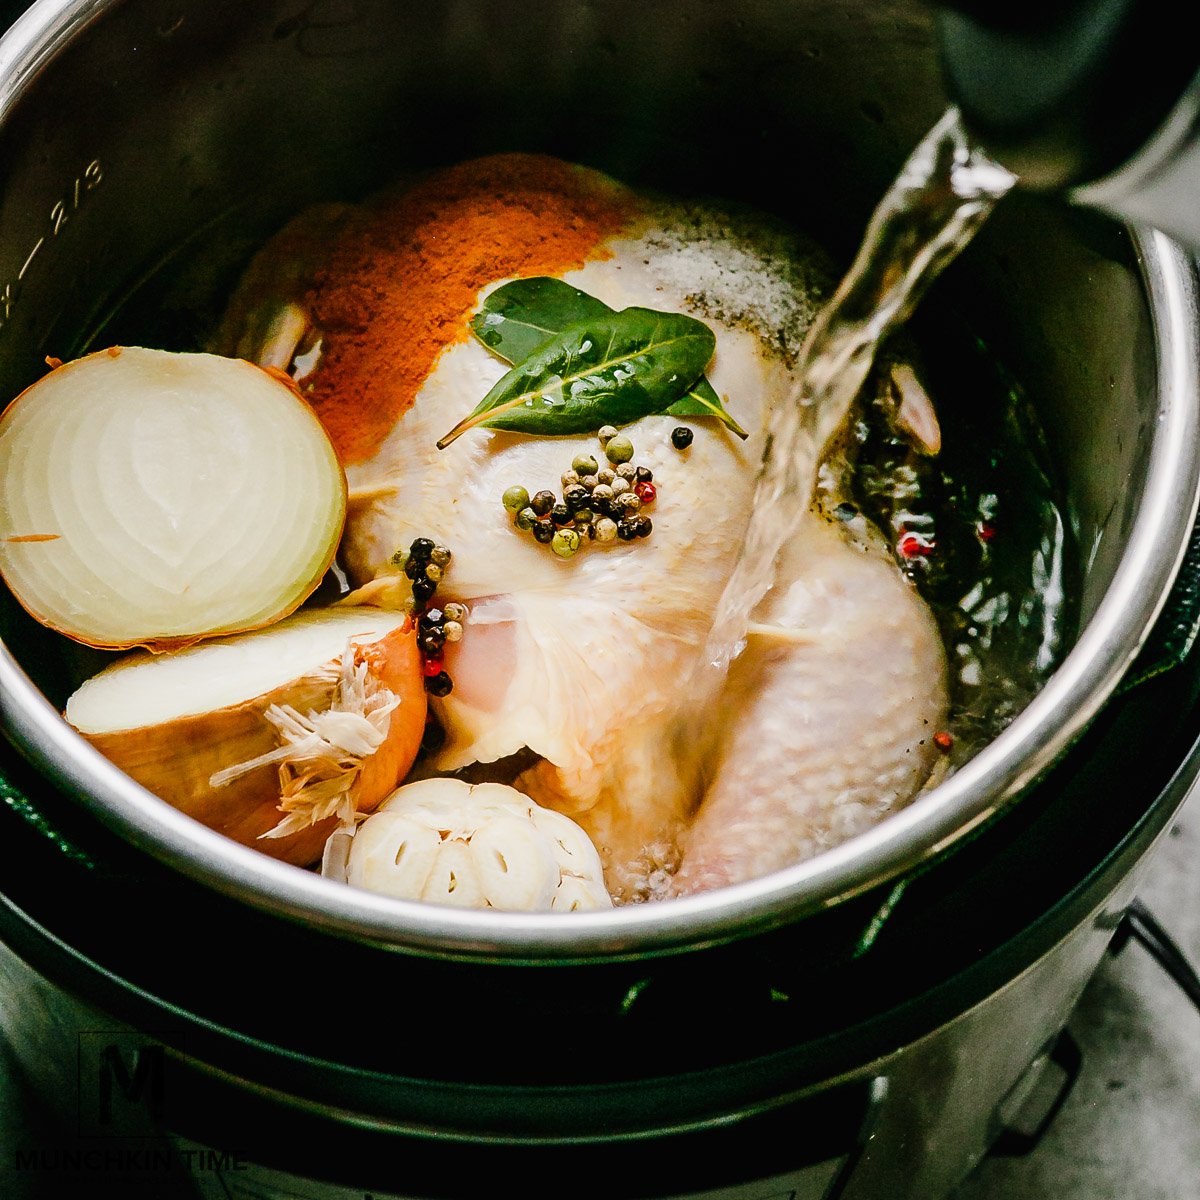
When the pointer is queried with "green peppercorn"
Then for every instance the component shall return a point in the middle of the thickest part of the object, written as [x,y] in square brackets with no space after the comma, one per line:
[565,542]
[542,503]
[606,434]
[584,516]
[526,518]
[584,464]
[516,498]
[606,529]
[619,449]
[442,556]
[681,437]
[453,631]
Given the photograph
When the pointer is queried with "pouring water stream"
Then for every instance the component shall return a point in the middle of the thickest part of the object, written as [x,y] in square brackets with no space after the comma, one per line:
[941,197]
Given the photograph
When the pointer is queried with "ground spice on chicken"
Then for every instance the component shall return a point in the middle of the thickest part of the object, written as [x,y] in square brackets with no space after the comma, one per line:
[389,296]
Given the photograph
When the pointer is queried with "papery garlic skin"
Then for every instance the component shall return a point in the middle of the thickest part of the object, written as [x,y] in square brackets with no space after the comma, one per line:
[483,845]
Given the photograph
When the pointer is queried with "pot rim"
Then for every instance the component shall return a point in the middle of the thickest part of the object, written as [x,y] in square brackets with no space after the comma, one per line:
[994,777]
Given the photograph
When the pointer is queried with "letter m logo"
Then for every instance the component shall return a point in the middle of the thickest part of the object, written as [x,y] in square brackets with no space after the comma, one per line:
[120,1085]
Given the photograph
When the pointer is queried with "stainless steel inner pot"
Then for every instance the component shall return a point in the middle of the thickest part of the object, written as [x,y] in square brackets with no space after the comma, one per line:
[129,125]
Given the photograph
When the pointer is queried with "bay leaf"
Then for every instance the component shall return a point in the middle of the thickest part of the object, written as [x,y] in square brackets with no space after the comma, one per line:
[607,370]
[702,401]
[519,317]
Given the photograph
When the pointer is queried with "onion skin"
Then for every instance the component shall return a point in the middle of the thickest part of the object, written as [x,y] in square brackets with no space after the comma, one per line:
[176,759]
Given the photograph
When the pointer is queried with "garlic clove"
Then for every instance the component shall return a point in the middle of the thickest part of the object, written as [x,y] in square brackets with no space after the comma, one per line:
[393,852]
[515,864]
[455,878]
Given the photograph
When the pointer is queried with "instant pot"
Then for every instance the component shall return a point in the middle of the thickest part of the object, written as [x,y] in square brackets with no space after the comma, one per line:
[200,1020]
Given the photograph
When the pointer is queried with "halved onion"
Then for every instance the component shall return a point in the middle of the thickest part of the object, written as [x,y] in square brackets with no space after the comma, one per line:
[271,737]
[151,499]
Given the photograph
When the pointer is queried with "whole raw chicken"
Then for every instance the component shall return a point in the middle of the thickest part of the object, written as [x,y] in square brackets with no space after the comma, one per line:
[583,665]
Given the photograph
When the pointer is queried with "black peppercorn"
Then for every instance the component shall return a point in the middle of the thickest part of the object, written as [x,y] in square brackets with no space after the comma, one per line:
[626,531]
[414,568]
[423,589]
[421,548]
[431,641]
[544,532]
[681,437]
[439,685]
[434,736]
[431,618]
[561,515]
[644,526]
[542,503]
[576,496]
[644,475]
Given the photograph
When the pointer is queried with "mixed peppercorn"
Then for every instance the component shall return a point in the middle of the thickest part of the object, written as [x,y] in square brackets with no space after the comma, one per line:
[424,564]
[598,504]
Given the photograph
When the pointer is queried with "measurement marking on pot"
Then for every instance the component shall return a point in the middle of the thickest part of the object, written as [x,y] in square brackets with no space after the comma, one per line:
[25,265]
[60,211]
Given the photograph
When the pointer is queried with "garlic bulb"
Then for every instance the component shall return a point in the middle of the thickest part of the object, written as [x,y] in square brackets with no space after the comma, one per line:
[475,846]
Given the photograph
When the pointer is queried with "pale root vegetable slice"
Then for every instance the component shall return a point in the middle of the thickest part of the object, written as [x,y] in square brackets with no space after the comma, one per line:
[271,737]
[152,499]
[473,846]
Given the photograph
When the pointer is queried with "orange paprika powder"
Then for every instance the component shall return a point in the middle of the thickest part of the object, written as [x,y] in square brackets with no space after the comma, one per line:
[402,274]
